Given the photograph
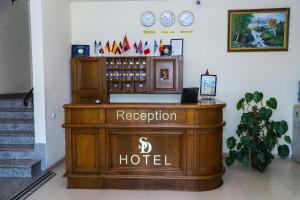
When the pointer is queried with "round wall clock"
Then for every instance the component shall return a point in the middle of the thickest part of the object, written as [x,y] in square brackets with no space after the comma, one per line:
[147,18]
[167,18]
[186,18]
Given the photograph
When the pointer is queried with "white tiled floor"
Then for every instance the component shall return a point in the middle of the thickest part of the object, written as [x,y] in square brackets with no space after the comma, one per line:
[280,182]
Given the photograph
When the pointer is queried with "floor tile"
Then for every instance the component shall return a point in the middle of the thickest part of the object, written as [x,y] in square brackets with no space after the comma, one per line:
[123,194]
[280,181]
[254,179]
[269,194]
[174,195]
[296,194]
[229,180]
[291,180]
[223,193]
[284,166]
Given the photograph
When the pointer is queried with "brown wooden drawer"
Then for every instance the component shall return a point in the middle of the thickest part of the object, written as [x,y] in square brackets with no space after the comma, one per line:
[128,87]
[87,116]
[90,98]
[140,87]
[115,87]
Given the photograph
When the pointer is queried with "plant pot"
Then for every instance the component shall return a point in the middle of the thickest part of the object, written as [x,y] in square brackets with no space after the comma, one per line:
[256,164]
[254,161]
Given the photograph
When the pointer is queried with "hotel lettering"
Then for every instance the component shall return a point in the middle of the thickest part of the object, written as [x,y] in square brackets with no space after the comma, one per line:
[145,157]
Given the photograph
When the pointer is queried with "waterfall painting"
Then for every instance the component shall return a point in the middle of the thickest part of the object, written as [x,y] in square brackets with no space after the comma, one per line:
[258,30]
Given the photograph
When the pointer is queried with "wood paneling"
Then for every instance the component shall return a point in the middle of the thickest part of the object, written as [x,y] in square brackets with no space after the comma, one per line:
[183,154]
[85,150]
[169,145]
[89,80]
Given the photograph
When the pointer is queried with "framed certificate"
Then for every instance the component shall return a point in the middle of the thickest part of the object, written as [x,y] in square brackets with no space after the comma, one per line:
[177,47]
[208,85]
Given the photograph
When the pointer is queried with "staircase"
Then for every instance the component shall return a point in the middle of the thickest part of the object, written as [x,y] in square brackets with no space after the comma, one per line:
[17,138]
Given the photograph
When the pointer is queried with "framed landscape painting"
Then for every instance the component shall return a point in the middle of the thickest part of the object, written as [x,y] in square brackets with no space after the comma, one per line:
[258,30]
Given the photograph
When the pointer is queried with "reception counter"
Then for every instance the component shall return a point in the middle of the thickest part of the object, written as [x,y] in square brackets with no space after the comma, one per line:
[144,146]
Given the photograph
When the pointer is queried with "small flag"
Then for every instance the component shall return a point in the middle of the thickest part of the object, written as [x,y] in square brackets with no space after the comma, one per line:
[135,48]
[126,45]
[146,48]
[121,47]
[114,47]
[118,50]
[95,47]
[161,46]
[107,47]
[206,72]
[155,46]
[167,50]
[140,47]
[100,48]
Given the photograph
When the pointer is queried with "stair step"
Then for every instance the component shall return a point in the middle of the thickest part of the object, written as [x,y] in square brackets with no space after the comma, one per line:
[19,168]
[18,163]
[20,124]
[16,147]
[28,154]
[13,103]
[16,138]
[16,113]
[13,96]
[17,133]
[16,120]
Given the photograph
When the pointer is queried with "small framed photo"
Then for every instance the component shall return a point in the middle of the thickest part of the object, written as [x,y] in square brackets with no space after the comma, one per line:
[208,85]
[177,47]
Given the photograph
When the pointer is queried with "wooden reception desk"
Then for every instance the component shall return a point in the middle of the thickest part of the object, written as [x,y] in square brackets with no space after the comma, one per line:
[144,146]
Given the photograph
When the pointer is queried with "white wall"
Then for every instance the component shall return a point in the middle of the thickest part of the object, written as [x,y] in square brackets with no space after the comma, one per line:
[38,70]
[15,67]
[57,44]
[274,73]
[51,41]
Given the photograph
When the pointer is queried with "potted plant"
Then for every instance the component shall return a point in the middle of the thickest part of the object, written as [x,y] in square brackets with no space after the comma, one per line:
[258,134]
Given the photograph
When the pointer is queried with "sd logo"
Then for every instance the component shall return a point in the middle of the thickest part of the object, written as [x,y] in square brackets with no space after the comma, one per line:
[145,146]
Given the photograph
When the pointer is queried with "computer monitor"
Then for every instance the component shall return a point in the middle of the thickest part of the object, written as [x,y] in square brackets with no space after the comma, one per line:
[190,95]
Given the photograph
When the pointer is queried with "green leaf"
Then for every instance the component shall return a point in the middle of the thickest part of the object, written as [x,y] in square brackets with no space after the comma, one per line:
[231,142]
[257,96]
[239,146]
[240,104]
[233,154]
[281,127]
[229,161]
[265,113]
[244,160]
[272,103]
[248,118]
[261,157]
[256,129]
[287,139]
[283,151]
[248,97]
[269,143]
[245,140]
[251,146]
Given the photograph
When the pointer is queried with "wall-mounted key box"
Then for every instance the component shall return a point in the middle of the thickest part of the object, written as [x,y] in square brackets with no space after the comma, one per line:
[95,78]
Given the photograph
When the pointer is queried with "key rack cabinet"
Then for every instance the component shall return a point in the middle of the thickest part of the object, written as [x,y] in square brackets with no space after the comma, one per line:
[95,78]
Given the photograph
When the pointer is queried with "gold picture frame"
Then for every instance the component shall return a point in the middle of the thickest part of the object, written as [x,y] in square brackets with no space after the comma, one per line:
[258,30]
